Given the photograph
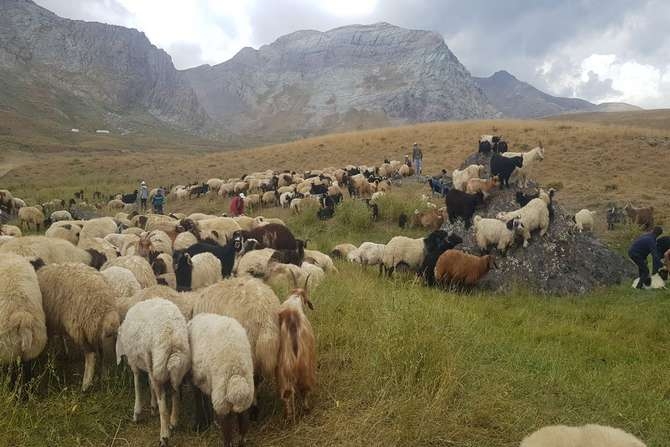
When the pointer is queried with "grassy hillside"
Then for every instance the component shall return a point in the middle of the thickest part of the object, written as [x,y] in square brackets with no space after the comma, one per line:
[654,119]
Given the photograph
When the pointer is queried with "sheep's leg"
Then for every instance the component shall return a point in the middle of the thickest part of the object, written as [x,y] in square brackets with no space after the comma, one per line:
[154,403]
[287,397]
[89,370]
[226,423]
[163,411]
[137,410]
[174,412]
[243,426]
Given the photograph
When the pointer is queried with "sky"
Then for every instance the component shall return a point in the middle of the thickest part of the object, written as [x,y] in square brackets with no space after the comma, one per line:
[599,50]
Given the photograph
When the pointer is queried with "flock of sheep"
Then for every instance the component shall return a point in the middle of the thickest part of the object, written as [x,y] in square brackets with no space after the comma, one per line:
[190,296]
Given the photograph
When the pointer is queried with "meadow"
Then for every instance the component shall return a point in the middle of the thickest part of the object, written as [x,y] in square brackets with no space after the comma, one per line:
[399,363]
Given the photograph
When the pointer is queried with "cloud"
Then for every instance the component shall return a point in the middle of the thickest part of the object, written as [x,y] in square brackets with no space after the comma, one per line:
[543,42]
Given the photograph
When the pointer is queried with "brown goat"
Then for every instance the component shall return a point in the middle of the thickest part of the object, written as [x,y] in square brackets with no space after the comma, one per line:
[641,216]
[474,185]
[459,268]
[431,219]
[296,361]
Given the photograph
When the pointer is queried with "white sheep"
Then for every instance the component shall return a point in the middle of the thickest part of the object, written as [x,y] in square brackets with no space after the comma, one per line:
[342,250]
[222,368]
[78,302]
[184,301]
[123,241]
[204,269]
[533,216]
[285,198]
[584,220]
[99,227]
[60,215]
[495,232]
[369,253]
[52,250]
[23,332]
[585,436]
[100,245]
[220,229]
[184,240]
[656,282]
[154,339]
[321,259]
[31,216]
[530,158]
[10,230]
[200,216]
[461,177]
[4,239]
[136,264]
[254,263]
[155,241]
[68,232]
[246,223]
[122,281]
[315,275]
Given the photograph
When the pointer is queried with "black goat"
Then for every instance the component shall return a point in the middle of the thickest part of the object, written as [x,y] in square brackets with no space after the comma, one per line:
[500,147]
[317,190]
[225,254]
[463,205]
[434,249]
[129,198]
[273,235]
[485,147]
[523,199]
[503,167]
[293,256]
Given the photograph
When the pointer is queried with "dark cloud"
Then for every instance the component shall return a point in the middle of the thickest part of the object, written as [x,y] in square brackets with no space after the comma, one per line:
[596,88]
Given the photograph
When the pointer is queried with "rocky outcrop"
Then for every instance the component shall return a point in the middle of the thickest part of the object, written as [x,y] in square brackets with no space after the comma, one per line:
[346,78]
[562,262]
[93,67]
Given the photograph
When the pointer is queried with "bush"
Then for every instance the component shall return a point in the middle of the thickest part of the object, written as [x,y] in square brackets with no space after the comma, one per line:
[390,207]
[354,215]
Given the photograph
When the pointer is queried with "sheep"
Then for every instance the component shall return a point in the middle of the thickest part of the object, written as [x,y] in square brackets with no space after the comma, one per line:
[122,281]
[53,251]
[269,198]
[409,252]
[296,362]
[530,158]
[495,232]
[590,435]
[155,241]
[474,185]
[200,271]
[260,221]
[221,229]
[23,333]
[136,264]
[279,275]
[184,301]
[57,216]
[99,245]
[320,259]
[461,177]
[252,201]
[406,171]
[458,268]
[285,198]
[640,216]
[31,216]
[342,250]
[154,338]
[255,263]
[503,167]
[436,247]
[10,230]
[78,302]
[246,223]
[99,227]
[183,241]
[122,242]
[657,282]
[224,254]
[68,232]
[431,219]
[255,305]
[115,204]
[222,369]
[533,216]
[584,220]
[463,205]
[368,253]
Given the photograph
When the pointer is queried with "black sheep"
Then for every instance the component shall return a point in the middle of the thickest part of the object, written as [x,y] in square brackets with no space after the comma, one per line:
[503,167]
[523,199]
[427,270]
[317,190]
[463,205]
[129,198]
[485,147]
[225,254]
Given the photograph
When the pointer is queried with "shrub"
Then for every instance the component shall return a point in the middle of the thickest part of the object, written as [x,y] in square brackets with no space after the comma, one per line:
[353,214]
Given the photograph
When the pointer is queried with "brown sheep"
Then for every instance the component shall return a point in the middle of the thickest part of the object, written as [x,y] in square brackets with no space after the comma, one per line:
[431,219]
[474,185]
[459,268]
[641,216]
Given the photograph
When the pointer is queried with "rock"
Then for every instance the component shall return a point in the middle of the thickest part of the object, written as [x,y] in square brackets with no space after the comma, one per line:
[562,262]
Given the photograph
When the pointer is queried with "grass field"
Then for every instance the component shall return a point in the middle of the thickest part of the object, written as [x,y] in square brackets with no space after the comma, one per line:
[401,364]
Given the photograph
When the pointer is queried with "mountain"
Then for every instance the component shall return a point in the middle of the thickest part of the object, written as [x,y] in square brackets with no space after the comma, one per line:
[517,99]
[616,107]
[79,74]
[350,77]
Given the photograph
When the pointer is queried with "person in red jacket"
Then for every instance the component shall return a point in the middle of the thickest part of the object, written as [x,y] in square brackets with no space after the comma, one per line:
[237,205]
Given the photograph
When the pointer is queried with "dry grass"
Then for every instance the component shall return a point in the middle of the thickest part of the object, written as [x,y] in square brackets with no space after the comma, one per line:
[655,119]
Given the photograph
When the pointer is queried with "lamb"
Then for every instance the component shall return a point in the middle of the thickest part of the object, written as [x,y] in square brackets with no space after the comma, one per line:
[68,232]
[296,362]
[410,253]
[320,259]
[53,251]
[10,230]
[530,158]
[495,232]
[31,216]
[136,264]
[342,250]
[78,302]
[533,216]
[154,338]
[23,333]
[255,306]
[474,185]
[584,220]
[222,368]
[458,268]
[122,281]
[461,177]
[640,216]
[463,205]
[503,166]
[197,272]
[590,435]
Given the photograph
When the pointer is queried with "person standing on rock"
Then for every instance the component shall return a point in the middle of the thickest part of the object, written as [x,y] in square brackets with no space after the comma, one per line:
[417,156]
[144,195]
[641,248]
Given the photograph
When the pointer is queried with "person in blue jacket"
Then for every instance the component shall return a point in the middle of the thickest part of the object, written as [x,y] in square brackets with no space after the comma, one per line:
[641,248]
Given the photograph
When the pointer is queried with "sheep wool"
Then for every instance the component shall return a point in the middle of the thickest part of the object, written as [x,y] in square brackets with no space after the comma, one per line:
[584,220]
[122,281]
[184,240]
[586,436]
[321,260]
[206,270]
[68,232]
[10,230]
[494,232]
[154,338]
[342,250]
[78,302]
[50,250]
[23,332]
[99,227]
[403,250]
[254,263]
[31,216]
[136,264]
